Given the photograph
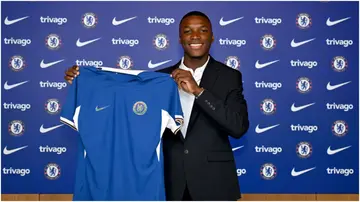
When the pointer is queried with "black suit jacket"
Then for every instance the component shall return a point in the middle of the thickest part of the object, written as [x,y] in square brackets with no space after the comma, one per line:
[204,159]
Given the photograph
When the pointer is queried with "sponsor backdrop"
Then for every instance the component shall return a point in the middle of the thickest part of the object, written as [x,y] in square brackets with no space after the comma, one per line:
[299,62]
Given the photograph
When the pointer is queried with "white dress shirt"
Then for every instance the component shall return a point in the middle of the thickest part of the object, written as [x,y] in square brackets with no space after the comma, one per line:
[186,99]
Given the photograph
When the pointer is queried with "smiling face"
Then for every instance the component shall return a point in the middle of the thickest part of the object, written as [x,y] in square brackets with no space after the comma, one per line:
[196,36]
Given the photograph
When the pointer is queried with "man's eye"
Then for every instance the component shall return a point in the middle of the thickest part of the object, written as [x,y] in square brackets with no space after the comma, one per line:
[186,31]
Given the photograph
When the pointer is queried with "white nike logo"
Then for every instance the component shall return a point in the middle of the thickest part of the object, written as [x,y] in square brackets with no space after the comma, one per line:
[332,152]
[46,130]
[332,23]
[223,23]
[8,87]
[101,108]
[10,22]
[259,65]
[7,152]
[297,44]
[46,65]
[261,130]
[81,44]
[333,87]
[297,173]
[151,65]
[295,109]
[119,22]
[236,148]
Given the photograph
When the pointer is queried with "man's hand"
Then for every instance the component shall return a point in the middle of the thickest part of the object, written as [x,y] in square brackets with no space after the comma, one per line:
[186,82]
[71,73]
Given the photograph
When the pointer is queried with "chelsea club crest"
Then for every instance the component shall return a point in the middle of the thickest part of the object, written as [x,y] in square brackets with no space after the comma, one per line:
[140,108]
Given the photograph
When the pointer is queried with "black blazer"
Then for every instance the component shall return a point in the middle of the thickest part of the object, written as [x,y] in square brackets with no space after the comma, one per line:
[204,159]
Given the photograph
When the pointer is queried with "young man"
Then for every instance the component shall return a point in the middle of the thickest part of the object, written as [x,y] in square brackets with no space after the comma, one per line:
[199,163]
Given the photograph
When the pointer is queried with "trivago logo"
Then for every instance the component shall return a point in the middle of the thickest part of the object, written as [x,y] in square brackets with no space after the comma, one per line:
[16,106]
[49,84]
[20,41]
[54,20]
[157,20]
[16,171]
[263,149]
[241,172]
[57,150]
[340,171]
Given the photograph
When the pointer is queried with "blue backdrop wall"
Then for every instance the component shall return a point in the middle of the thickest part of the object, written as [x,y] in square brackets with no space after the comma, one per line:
[299,62]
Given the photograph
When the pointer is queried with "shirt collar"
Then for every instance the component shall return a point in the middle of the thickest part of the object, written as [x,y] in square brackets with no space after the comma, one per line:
[199,69]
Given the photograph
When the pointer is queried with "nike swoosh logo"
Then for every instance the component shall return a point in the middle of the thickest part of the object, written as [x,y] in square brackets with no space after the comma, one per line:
[46,130]
[10,151]
[46,65]
[295,109]
[151,65]
[297,173]
[224,23]
[333,87]
[260,66]
[99,109]
[236,148]
[119,22]
[332,152]
[10,22]
[332,23]
[8,87]
[261,130]
[297,44]
[81,44]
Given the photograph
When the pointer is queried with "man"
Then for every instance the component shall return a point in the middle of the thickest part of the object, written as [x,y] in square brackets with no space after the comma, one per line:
[199,163]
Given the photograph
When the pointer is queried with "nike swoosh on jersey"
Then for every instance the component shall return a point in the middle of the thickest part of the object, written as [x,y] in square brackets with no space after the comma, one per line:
[8,87]
[46,65]
[261,130]
[10,151]
[332,23]
[297,173]
[297,44]
[332,152]
[333,87]
[260,66]
[10,22]
[46,130]
[151,65]
[119,22]
[222,22]
[81,44]
[295,109]
[101,108]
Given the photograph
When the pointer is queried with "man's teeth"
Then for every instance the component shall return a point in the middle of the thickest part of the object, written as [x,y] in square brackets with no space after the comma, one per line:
[195,45]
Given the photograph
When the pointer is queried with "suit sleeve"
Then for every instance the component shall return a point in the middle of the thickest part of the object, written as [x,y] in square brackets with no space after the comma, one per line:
[176,119]
[71,109]
[231,113]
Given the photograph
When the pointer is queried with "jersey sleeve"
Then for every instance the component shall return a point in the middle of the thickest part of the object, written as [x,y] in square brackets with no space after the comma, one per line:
[176,119]
[71,109]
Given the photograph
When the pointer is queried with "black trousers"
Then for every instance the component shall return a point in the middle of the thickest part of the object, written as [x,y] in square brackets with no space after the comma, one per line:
[186,195]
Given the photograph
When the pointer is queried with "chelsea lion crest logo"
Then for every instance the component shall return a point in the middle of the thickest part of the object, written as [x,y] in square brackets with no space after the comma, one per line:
[140,108]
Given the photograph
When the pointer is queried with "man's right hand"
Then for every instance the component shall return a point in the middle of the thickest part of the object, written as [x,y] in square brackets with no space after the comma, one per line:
[71,73]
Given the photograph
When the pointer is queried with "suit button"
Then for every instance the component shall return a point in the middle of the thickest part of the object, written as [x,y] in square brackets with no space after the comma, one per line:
[186,151]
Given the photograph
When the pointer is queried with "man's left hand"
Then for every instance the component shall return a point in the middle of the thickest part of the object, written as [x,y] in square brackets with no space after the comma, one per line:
[186,82]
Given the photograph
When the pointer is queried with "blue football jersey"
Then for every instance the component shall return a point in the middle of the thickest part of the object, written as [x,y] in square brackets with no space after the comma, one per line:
[120,116]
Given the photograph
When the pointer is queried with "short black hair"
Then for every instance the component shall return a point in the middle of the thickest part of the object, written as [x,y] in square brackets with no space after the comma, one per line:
[195,13]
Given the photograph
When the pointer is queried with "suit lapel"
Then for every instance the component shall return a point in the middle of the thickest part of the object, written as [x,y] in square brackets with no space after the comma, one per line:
[208,80]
